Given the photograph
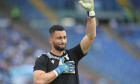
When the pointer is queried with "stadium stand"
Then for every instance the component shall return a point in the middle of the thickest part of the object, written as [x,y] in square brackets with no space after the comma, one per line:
[17,54]
[106,56]
[109,57]
[131,33]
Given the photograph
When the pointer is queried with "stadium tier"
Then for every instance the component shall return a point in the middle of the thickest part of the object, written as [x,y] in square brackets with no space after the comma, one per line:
[106,55]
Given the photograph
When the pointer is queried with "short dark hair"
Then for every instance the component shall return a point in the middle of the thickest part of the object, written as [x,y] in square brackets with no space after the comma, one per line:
[56,28]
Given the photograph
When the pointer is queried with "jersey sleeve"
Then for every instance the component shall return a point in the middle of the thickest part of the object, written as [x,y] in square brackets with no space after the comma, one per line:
[41,63]
[77,52]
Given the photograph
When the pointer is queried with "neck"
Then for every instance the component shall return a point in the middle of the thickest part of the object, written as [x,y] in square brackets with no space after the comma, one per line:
[56,52]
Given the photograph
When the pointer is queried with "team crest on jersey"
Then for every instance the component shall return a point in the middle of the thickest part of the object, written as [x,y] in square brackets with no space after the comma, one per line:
[52,61]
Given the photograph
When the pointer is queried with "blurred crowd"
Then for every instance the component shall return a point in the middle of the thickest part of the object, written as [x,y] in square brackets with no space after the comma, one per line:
[18,52]
[17,55]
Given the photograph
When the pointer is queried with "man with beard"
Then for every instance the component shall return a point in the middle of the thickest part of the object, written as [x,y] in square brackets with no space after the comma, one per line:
[59,66]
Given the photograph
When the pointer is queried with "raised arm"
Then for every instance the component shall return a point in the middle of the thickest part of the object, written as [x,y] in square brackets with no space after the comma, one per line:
[91,25]
[90,35]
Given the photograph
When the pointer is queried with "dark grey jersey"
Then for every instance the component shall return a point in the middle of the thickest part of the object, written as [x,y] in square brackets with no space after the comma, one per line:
[48,62]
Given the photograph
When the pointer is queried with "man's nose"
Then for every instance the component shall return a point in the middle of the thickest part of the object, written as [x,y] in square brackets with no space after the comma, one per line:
[63,40]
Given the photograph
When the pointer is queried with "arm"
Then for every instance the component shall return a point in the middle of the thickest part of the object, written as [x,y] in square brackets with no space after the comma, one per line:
[90,35]
[91,25]
[41,77]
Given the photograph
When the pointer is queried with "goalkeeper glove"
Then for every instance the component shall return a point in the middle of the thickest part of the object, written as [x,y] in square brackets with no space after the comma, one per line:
[89,6]
[71,65]
[61,68]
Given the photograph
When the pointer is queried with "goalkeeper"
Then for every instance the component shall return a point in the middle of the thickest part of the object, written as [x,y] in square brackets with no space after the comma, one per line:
[59,66]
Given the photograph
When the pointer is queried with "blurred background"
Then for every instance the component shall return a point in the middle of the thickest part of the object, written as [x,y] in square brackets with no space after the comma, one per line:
[114,57]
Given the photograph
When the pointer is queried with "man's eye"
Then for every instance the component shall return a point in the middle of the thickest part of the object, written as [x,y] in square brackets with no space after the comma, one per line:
[59,37]
[65,37]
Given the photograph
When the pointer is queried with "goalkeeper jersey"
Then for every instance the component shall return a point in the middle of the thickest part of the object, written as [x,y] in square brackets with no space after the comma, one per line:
[48,62]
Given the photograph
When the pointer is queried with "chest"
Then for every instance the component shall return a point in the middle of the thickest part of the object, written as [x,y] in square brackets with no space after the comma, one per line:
[53,61]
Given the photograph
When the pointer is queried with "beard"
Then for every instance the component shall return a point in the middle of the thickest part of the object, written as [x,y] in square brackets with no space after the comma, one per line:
[59,48]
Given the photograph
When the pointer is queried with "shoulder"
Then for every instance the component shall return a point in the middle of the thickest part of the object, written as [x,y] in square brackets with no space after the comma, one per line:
[75,48]
[74,51]
[42,57]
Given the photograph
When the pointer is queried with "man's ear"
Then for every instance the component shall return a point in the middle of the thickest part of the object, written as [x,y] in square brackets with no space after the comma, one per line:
[50,39]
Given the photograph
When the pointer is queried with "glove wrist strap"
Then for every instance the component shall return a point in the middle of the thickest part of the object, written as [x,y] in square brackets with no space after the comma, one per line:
[58,71]
[55,73]
[91,14]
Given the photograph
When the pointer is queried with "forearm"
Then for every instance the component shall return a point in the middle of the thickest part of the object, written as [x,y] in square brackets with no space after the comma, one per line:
[91,28]
[90,35]
[44,78]
[41,77]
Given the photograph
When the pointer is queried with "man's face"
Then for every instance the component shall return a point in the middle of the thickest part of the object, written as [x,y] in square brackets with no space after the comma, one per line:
[59,40]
